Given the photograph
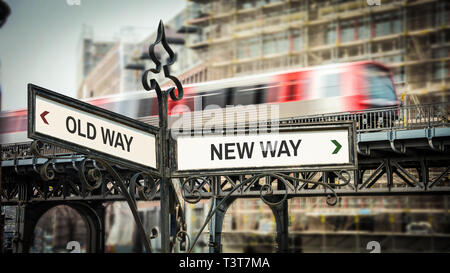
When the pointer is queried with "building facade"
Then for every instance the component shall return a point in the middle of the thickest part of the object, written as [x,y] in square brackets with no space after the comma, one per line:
[120,68]
[90,52]
[412,37]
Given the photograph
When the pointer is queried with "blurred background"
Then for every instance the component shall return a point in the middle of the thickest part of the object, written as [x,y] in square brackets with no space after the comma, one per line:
[221,39]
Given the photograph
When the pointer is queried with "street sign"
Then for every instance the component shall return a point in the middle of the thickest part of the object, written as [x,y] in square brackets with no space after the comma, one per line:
[78,126]
[316,147]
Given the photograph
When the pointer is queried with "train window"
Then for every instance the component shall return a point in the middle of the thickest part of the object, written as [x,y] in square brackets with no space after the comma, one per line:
[4,121]
[13,124]
[246,95]
[329,85]
[260,95]
[145,107]
[128,108]
[380,83]
[291,90]
[108,106]
[219,97]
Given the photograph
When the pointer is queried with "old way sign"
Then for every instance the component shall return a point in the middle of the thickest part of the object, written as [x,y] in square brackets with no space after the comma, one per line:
[317,147]
[84,128]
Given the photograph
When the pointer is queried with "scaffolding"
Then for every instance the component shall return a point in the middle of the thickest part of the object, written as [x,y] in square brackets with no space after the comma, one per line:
[412,37]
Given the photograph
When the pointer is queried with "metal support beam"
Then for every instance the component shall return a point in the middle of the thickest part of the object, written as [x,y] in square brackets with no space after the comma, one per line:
[282,220]
[404,178]
[444,173]
[164,186]
[402,170]
[2,216]
[389,173]
[215,229]
[424,174]
[371,177]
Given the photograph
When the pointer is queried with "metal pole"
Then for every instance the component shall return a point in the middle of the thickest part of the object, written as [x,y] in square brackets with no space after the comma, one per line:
[166,196]
[164,189]
[213,248]
[2,216]
[282,219]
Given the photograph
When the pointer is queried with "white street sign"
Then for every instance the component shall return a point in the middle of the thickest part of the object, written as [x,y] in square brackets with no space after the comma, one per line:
[294,148]
[70,125]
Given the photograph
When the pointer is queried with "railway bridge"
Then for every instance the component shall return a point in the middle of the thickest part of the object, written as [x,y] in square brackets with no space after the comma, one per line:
[401,151]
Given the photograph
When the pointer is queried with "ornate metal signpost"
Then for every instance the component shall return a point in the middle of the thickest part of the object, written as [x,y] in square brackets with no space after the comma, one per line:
[163,97]
[184,165]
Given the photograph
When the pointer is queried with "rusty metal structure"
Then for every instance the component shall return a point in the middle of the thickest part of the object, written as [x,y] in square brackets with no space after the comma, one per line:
[415,144]
[397,142]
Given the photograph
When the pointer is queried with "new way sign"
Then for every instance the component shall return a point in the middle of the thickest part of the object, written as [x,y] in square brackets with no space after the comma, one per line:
[84,128]
[318,147]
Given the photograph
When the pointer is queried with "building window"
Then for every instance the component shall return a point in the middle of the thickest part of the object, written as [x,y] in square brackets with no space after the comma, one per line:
[382,25]
[330,33]
[275,43]
[442,16]
[248,48]
[296,40]
[441,69]
[387,23]
[347,31]
[353,30]
[363,28]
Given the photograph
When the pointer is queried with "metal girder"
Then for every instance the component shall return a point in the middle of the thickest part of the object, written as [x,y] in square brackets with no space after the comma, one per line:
[28,185]
[66,177]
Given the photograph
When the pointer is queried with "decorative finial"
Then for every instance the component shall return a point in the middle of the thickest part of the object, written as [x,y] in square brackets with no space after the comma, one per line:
[154,85]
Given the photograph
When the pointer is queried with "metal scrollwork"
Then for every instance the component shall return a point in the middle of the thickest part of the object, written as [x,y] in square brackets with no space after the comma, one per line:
[93,175]
[154,85]
[344,176]
[91,178]
[331,199]
[213,211]
[267,190]
[194,193]
[120,185]
[182,236]
[192,188]
[46,173]
[147,191]
[35,149]
[184,239]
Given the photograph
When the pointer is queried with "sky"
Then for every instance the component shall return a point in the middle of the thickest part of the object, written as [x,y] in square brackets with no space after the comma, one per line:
[38,43]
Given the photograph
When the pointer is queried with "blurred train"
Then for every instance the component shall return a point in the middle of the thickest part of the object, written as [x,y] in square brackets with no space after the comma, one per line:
[345,87]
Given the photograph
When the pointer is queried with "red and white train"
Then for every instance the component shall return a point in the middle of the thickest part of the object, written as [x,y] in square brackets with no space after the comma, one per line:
[344,87]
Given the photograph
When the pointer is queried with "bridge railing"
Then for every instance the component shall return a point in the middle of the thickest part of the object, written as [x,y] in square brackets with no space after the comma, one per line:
[379,119]
[22,150]
[388,118]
